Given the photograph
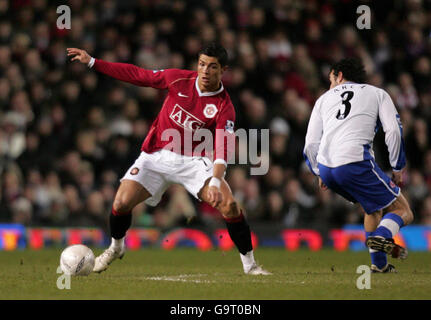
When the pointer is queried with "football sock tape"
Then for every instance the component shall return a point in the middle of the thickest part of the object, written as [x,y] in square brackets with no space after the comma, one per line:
[389,226]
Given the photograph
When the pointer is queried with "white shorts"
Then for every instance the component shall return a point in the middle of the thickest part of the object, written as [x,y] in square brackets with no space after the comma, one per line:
[157,171]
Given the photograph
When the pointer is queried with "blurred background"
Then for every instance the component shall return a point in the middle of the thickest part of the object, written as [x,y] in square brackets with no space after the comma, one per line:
[68,134]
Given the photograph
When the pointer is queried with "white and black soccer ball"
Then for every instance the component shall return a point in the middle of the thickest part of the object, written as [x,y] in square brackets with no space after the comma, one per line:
[77,260]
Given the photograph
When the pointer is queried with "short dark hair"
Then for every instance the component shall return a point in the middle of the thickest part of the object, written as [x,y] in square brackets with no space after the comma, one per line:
[352,69]
[215,50]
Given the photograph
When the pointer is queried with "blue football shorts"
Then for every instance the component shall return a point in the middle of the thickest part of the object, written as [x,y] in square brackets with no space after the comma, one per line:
[362,182]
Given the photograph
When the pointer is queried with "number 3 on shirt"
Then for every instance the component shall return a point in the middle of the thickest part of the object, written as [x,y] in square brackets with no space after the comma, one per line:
[346,97]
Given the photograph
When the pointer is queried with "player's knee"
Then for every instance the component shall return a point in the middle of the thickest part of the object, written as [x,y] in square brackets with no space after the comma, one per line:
[402,208]
[121,205]
[408,216]
[229,209]
[406,212]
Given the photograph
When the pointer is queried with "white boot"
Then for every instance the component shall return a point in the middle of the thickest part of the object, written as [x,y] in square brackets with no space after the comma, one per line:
[116,250]
[257,270]
[250,266]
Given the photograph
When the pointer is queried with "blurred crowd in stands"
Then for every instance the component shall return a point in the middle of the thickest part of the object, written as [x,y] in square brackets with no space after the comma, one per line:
[68,134]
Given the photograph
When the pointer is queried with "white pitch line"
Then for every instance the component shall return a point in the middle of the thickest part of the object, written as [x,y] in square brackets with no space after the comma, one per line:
[181,278]
[186,278]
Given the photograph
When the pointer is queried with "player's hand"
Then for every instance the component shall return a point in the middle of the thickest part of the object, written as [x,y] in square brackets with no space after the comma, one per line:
[322,185]
[397,177]
[78,54]
[214,196]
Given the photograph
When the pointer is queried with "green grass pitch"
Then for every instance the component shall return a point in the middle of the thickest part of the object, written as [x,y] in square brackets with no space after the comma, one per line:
[186,273]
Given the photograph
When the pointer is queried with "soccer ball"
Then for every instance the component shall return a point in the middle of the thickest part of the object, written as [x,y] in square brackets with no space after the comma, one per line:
[77,260]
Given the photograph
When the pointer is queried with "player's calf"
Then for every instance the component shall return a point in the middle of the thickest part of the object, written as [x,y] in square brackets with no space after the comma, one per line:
[240,233]
[119,223]
[129,194]
[238,228]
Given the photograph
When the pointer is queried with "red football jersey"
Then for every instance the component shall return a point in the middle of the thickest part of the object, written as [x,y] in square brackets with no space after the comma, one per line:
[185,109]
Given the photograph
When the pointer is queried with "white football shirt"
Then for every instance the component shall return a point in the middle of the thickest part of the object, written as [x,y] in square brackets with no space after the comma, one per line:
[343,124]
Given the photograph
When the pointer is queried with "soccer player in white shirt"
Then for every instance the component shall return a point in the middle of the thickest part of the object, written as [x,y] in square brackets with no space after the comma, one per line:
[339,150]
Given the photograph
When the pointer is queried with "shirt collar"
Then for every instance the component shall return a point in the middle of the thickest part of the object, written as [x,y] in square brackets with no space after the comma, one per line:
[343,84]
[207,94]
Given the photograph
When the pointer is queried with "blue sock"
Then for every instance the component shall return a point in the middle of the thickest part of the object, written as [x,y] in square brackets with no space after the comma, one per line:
[389,226]
[378,258]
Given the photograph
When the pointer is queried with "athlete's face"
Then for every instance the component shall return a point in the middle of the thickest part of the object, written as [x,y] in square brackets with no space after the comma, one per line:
[335,80]
[210,73]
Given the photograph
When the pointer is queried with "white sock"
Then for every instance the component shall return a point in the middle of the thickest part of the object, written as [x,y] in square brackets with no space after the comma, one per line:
[117,243]
[247,260]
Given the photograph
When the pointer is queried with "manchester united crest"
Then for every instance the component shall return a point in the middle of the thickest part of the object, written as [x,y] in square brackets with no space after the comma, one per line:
[210,110]
[134,171]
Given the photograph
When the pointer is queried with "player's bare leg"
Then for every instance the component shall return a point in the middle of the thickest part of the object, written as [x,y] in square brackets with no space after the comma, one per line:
[129,194]
[401,208]
[398,214]
[237,226]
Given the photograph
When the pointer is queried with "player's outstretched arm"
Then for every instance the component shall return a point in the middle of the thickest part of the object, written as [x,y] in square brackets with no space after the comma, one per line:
[120,71]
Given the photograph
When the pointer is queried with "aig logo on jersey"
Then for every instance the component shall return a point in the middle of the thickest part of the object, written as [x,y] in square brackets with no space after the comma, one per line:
[185,119]
[210,110]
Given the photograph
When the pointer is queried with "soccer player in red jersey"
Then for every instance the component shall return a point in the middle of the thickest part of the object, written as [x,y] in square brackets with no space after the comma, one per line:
[196,101]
